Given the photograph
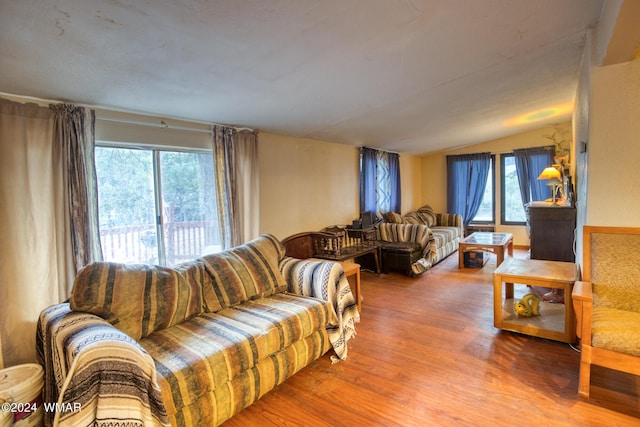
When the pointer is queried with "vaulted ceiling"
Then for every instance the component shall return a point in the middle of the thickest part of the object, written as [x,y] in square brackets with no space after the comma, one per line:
[413,76]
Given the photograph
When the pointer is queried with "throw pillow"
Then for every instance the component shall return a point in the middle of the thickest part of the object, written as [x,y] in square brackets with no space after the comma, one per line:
[245,272]
[392,217]
[428,215]
[139,299]
[413,218]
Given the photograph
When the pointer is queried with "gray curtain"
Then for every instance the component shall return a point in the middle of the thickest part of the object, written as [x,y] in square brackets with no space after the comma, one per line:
[73,133]
[236,180]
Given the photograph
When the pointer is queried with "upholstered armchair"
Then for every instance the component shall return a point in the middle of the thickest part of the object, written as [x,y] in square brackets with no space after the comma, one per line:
[607,302]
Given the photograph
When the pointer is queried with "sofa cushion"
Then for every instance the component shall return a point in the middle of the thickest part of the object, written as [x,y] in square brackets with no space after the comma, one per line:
[413,218]
[616,330]
[217,406]
[428,215]
[448,220]
[616,282]
[442,235]
[392,217]
[415,233]
[204,353]
[139,299]
[244,272]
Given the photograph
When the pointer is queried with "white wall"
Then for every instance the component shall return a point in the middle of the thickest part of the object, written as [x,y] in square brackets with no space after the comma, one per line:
[614,146]
[306,184]
[581,138]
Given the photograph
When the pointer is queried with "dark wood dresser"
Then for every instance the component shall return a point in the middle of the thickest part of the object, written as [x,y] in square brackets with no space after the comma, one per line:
[552,231]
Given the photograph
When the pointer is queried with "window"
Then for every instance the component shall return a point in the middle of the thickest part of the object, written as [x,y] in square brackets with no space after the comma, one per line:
[511,205]
[467,184]
[379,181]
[486,211]
[146,193]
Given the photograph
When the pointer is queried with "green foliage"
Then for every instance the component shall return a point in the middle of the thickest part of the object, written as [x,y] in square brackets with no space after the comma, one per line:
[514,210]
[126,186]
[181,186]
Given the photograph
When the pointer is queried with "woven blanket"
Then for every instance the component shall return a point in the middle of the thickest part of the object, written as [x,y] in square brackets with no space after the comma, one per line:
[101,385]
[326,281]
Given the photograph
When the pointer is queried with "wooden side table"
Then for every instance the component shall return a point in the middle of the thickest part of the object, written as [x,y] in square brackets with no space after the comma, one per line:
[556,321]
[353,269]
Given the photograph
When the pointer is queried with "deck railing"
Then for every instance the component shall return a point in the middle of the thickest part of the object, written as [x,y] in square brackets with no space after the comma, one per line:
[137,244]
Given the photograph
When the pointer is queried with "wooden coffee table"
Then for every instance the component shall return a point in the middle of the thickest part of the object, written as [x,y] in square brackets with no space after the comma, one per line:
[490,242]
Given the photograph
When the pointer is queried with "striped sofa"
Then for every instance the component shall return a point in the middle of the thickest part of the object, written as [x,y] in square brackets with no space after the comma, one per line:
[446,231]
[190,345]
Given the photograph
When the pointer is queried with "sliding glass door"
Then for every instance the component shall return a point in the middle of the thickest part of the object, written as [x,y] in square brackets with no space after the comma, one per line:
[156,206]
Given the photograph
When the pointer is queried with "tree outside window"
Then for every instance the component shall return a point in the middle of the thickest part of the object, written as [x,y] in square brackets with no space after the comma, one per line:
[512,210]
[156,206]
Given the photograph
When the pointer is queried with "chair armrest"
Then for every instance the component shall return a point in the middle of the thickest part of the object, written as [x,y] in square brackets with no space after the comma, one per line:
[85,359]
[582,299]
[582,291]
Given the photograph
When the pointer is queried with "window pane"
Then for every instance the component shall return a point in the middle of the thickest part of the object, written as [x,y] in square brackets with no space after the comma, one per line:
[126,205]
[188,200]
[485,211]
[512,209]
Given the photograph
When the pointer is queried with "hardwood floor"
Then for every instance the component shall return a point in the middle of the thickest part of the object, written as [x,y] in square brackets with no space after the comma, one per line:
[426,353]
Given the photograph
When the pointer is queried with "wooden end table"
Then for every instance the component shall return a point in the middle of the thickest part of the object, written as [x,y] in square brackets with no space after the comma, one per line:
[556,321]
[490,242]
[353,269]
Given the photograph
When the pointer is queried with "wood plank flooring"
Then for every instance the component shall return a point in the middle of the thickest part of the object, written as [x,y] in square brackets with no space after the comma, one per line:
[426,353]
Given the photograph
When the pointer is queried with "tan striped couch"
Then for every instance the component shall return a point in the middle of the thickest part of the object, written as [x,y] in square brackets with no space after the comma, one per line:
[190,345]
[446,231]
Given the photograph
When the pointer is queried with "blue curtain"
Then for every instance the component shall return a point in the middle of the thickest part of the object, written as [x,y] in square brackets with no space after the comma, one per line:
[379,181]
[466,180]
[529,163]
[368,186]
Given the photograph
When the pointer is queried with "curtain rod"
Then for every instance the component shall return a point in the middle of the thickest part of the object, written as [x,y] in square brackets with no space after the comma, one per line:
[163,125]
[379,149]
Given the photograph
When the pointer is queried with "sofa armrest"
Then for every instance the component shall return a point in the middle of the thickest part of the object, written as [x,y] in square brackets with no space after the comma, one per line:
[95,371]
[582,299]
[448,220]
[325,280]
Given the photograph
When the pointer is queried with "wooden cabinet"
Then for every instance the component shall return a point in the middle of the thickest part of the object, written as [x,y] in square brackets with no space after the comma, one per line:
[552,231]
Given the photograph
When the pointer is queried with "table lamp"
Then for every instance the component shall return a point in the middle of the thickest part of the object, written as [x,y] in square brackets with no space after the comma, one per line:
[552,175]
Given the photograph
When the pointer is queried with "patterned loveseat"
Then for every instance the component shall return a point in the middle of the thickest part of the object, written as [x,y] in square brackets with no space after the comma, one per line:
[446,231]
[189,345]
